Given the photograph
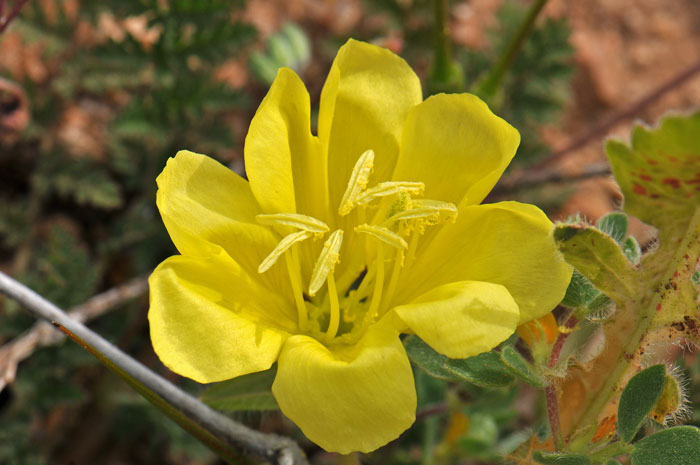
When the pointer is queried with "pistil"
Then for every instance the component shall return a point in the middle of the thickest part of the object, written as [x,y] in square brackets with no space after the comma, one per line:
[378,283]
[292,259]
[334,321]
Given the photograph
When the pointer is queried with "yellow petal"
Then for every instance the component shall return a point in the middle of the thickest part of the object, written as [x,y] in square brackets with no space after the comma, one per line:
[347,399]
[456,146]
[364,102]
[283,160]
[204,205]
[210,321]
[507,243]
[462,319]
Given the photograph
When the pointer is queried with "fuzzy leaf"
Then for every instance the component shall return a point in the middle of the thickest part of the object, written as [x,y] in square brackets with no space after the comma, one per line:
[427,359]
[557,458]
[518,366]
[580,291]
[614,225]
[673,446]
[598,257]
[632,250]
[484,370]
[638,399]
[251,392]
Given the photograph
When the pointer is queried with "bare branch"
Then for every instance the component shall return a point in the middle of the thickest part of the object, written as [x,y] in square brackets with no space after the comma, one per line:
[532,178]
[5,20]
[605,126]
[272,448]
[43,334]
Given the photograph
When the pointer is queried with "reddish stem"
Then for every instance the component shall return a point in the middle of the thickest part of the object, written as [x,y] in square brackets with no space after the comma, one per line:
[6,20]
[551,394]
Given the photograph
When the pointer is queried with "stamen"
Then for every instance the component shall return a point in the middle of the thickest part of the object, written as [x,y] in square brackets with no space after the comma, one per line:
[378,285]
[334,322]
[384,189]
[292,259]
[433,211]
[447,210]
[413,245]
[383,234]
[281,248]
[326,261]
[295,220]
[357,183]
[395,272]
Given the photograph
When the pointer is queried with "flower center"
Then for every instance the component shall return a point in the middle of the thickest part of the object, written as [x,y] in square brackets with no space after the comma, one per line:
[364,291]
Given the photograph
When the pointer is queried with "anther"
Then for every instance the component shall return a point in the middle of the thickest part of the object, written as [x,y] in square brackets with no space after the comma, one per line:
[329,257]
[294,220]
[383,234]
[281,248]
[384,189]
[357,183]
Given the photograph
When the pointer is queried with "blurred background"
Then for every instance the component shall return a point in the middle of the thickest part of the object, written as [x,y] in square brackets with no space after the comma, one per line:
[95,96]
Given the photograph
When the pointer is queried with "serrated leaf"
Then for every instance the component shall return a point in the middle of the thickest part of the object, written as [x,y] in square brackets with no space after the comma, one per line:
[580,291]
[638,399]
[518,366]
[614,225]
[598,257]
[659,173]
[558,458]
[427,359]
[484,370]
[674,446]
[251,392]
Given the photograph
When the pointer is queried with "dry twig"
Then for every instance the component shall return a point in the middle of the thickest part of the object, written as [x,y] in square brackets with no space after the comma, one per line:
[272,448]
[43,334]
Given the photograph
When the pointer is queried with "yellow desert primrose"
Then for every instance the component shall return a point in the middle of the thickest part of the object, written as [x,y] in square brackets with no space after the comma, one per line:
[340,242]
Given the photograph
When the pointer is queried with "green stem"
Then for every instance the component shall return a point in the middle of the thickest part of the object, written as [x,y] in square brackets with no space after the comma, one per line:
[611,450]
[443,65]
[350,459]
[488,87]
[645,316]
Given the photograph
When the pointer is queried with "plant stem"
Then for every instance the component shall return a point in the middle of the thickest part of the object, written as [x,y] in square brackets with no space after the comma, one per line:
[642,316]
[551,390]
[442,65]
[489,86]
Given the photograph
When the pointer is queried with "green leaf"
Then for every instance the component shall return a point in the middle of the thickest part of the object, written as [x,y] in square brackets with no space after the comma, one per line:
[580,291]
[598,257]
[264,67]
[484,370]
[299,43]
[659,174]
[612,462]
[638,399]
[600,308]
[614,225]
[557,458]
[248,392]
[673,446]
[481,435]
[427,359]
[632,250]
[518,366]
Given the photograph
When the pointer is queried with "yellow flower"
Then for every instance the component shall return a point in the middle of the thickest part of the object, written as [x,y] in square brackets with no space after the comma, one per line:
[340,242]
